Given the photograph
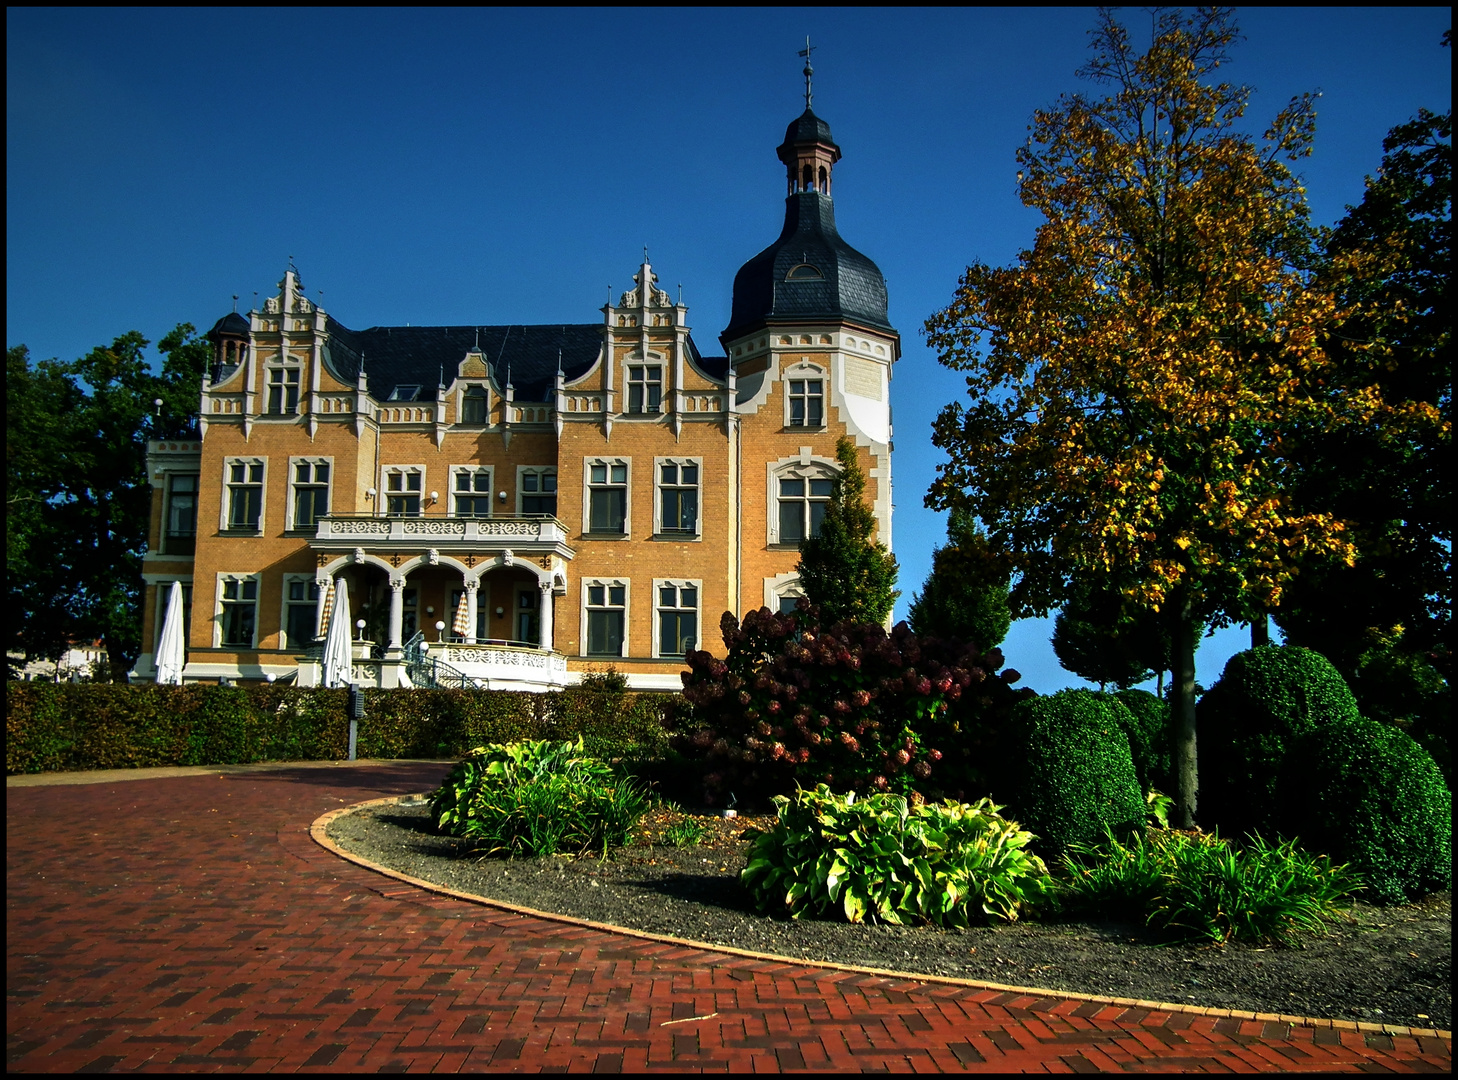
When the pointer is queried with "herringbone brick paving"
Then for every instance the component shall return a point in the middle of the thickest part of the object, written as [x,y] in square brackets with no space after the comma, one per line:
[189,923]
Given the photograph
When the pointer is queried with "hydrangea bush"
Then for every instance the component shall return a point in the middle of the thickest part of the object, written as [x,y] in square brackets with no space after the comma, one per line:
[851,706]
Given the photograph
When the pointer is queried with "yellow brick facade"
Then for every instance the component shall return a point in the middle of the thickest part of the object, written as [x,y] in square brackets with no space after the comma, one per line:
[626,412]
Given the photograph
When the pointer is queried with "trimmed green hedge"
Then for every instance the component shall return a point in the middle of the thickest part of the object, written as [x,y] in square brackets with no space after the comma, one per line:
[1266,698]
[1072,772]
[1149,741]
[1367,794]
[74,727]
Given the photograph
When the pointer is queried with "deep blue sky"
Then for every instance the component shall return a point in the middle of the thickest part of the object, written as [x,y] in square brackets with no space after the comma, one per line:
[466,166]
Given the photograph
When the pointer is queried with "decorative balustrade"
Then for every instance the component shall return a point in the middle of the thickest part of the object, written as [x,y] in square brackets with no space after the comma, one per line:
[496,532]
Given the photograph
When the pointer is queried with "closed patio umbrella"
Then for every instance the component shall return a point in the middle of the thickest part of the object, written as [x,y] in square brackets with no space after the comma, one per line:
[337,657]
[171,655]
[463,619]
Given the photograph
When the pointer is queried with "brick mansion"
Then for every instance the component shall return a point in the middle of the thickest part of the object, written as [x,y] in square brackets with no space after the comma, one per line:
[523,504]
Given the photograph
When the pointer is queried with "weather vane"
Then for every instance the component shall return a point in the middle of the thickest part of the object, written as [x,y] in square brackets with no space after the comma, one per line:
[805,52]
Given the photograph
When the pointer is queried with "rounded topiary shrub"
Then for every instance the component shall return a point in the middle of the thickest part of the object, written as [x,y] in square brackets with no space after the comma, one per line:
[1071,770]
[1367,794]
[1265,699]
[1148,738]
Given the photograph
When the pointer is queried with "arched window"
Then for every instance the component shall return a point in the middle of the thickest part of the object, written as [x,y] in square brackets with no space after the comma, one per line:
[807,179]
[824,181]
[804,272]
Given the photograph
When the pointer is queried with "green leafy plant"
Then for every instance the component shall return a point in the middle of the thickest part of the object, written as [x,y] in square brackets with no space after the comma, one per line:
[880,859]
[537,798]
[1071,770]
[685,833]
[1369,794]
[1198,885]
[1266,698]
[1156,809]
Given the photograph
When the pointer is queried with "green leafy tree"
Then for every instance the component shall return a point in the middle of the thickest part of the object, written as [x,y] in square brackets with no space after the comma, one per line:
[1143,360]
[1393,482]
[1095,639]
[845,571]
[76,476]
[965,595]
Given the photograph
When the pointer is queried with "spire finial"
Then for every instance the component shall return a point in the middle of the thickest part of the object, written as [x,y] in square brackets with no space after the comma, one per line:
[645,253]
[235,303]
[805,52]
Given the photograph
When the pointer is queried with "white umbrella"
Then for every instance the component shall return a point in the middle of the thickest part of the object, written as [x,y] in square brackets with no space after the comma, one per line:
[171,654]
[337,657]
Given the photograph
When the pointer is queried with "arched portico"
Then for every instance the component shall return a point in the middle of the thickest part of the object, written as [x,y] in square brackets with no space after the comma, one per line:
[546,570]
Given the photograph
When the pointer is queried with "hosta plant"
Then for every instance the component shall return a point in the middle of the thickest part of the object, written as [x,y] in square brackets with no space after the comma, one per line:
[880,859]
[537,798]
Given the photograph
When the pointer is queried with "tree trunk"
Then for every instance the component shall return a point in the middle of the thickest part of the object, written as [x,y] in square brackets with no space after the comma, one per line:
[1186,767]
[1260,631]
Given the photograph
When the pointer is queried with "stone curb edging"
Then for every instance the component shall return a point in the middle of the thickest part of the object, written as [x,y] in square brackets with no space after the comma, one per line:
[318,832]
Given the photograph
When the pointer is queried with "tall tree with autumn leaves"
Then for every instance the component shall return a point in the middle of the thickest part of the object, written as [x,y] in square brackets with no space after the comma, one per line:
[1132,376]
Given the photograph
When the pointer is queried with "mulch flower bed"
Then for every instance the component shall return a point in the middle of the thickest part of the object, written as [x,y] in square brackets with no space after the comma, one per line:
[1390,965]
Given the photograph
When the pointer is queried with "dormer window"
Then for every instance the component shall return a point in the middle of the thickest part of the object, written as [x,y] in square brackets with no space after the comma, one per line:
[283,391]
[473,405]
[804,272]
[405,392]
[645,388]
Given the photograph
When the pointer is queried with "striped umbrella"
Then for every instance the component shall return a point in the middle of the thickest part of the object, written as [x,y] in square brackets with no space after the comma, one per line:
[327,612]
[462,622]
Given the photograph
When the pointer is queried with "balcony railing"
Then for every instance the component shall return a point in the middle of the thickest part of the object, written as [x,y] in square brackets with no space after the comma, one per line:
[432,530]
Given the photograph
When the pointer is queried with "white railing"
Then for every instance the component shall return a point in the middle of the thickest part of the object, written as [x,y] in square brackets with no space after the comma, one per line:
[493,531]
[505,663]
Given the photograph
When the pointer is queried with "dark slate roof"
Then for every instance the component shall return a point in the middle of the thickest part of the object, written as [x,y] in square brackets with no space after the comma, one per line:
[807,128]
[407,356]
[232,324]
[851,287]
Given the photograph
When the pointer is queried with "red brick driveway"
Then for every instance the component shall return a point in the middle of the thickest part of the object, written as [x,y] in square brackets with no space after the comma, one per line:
[188,923]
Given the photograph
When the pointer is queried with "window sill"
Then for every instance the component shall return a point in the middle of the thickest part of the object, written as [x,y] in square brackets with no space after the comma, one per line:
[606,536]
[681,537]
[807,428]
[239,531]
[793,545]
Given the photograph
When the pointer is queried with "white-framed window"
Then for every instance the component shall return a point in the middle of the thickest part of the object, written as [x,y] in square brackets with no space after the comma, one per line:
[470,491]
[237,611]
[799,492]
[645,388]
[179,533]
[300,611]
[604,617]
[309,479]
[475,405]
[804,400]
[606,504]
[536,489]
[164,590]
[782,591]
[677,509]
[402,486]
[283,391]
[676,616]
[243,480]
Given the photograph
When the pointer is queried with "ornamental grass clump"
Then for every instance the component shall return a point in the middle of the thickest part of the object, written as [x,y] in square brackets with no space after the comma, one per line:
[537,798]
[1194,885]
[880,859]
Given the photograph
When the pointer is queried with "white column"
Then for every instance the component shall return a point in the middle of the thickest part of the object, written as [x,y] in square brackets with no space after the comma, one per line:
[544,613]
[472,584]
[397,612]
[325,584]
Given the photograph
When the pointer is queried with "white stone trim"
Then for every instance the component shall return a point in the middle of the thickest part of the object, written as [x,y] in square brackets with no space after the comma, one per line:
[607,583]
[697,585]
[290,503]
[609,461]
[225,504]
[221,577]
[658,463]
